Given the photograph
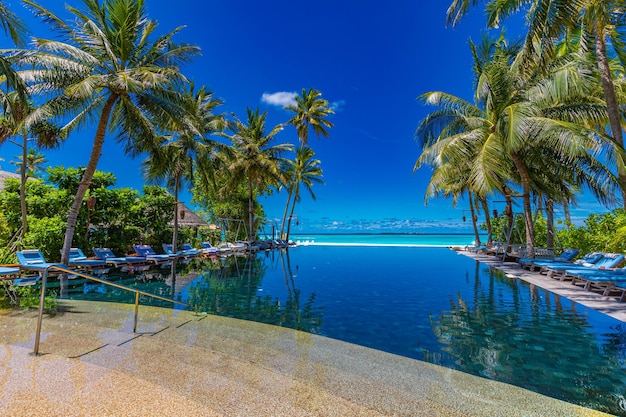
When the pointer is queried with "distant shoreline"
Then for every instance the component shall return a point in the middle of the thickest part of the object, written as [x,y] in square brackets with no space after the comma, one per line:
[405,245]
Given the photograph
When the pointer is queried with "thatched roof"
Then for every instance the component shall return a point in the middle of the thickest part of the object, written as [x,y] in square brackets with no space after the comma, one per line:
[6,174]
[191,219]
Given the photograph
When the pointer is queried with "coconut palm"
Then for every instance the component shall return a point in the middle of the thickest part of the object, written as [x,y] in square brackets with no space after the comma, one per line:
[253,160]
[521,129]
[306,171]
[106,67]
[310,111]
[603,27]
[176,158]
[13,124]
[16,29]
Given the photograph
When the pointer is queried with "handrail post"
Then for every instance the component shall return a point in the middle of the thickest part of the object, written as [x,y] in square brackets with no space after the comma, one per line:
[40,316]
[136,311]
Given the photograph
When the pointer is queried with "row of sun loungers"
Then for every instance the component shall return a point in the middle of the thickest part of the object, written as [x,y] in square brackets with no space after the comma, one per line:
[596,271]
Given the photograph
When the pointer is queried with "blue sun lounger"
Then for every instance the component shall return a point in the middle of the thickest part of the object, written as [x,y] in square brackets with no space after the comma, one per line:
[536,263]
[14,275]
[190,250]
[608,260]
[605,281]
[33,260]
[169,250]
[78,259]
[147,252]
[109,257]
[589,259]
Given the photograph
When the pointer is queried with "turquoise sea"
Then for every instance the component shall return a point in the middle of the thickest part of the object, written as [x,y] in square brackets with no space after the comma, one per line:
[386,239]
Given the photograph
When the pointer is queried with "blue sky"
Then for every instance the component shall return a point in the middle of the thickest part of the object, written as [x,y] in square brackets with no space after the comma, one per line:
[370,60]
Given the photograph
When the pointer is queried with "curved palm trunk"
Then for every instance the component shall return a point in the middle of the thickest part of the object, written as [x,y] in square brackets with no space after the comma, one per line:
[528,216]
[474,217]
[293,208]
[483,202]
[176,203]
[566,213]
[611,104]
[282,224]
[23,187]
[96,151]
[550,223]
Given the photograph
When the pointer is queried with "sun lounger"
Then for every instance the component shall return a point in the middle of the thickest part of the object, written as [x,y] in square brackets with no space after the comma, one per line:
[33,260]
[589,259]
[147,252]
[79,260]
[190,250]
[608,260]
[208,249]
[536,263]
[124,262]
[13,274]
[605,281]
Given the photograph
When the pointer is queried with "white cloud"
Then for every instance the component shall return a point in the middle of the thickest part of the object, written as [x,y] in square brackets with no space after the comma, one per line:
[338,105]
[280,98]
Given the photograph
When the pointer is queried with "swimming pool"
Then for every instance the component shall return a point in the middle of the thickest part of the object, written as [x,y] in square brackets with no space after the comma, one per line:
[425,303]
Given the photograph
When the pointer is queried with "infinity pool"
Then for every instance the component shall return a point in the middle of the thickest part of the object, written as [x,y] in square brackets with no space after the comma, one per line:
[429,304]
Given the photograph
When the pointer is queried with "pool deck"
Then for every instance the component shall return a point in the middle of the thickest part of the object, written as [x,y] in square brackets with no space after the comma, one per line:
[183,364]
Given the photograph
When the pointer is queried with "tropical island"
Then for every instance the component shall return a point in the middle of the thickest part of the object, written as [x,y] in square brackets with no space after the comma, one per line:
[543,127]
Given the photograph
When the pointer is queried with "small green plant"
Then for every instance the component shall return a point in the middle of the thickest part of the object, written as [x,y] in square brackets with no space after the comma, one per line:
[29,296]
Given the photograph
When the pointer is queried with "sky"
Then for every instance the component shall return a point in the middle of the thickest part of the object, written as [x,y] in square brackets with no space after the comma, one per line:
[370,59]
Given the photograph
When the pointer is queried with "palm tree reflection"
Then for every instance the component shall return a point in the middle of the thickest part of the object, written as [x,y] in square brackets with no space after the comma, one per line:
[526,339]
[231,287]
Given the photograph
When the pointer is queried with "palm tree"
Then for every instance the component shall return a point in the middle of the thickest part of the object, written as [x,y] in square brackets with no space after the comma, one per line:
[176,158]
[603,27]
[34,160]
[310,111]
[16,29]
[12,25]
[106,69]
[14,123]
[306,171]
[251,159]
[518,122]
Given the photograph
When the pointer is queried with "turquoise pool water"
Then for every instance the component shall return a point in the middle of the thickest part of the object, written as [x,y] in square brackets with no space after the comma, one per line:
[425,303]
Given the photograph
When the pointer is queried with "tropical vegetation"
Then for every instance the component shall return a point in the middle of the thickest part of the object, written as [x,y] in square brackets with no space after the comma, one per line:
[108,70]
[542,125]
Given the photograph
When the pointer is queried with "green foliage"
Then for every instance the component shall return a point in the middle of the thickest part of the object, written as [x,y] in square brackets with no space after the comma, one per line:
[601,232]
[46,234]
[117,218]
[29,296]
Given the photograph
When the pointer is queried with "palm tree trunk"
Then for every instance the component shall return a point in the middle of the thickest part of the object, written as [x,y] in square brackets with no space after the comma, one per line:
[528,215]
[251,211]
[472,213]
[176,204]
[483,202]
[96,151]
[23,187]
[611,104]
[282,224]
[293,207]
[566,213]
[550,223]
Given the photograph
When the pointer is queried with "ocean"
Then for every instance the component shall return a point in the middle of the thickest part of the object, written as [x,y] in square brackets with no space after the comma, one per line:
[386,239]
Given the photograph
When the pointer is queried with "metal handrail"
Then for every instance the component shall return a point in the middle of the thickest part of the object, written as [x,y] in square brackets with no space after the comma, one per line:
[90,277]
